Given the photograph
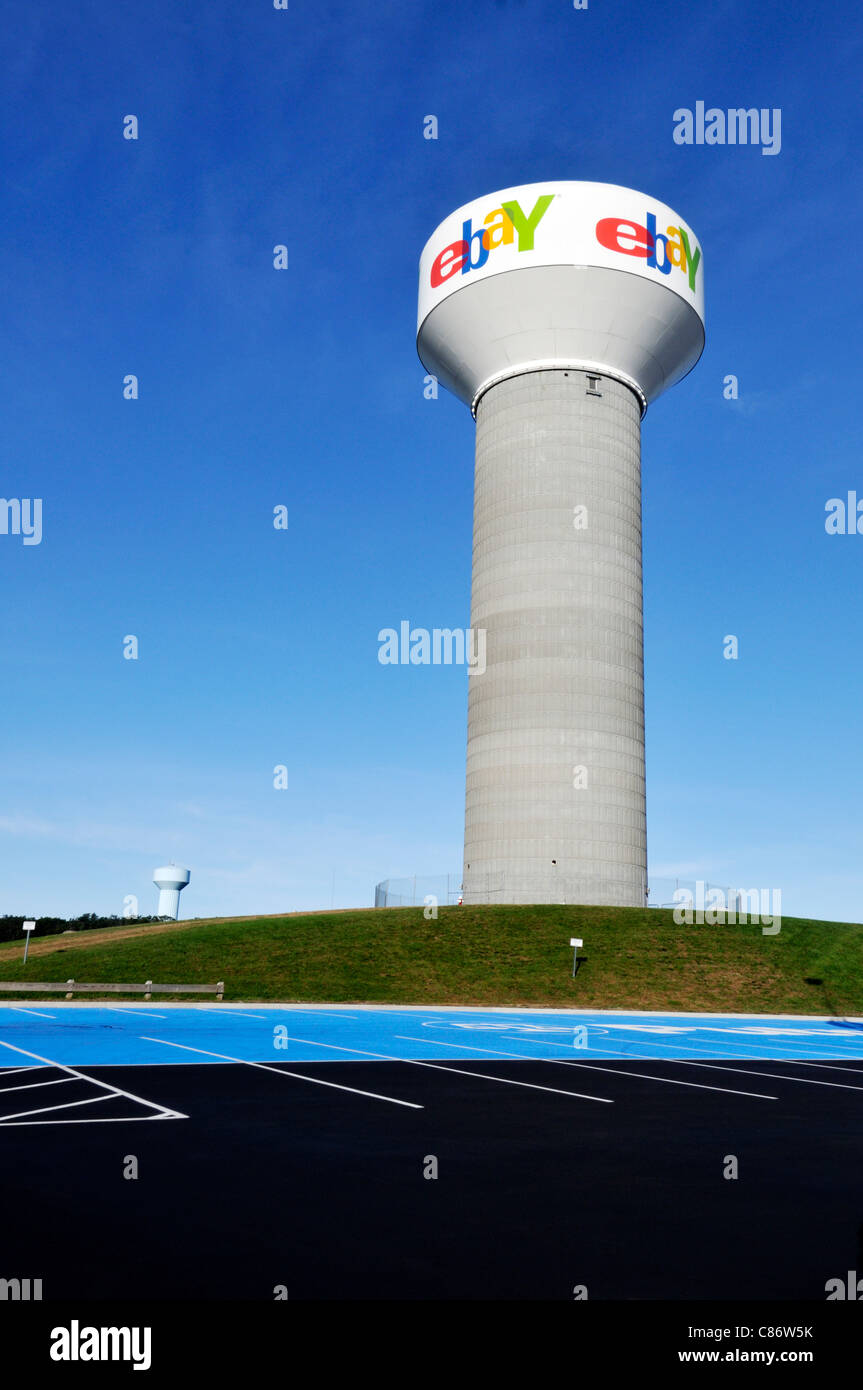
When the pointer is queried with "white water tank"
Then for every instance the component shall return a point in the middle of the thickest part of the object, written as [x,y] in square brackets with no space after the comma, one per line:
[170,882]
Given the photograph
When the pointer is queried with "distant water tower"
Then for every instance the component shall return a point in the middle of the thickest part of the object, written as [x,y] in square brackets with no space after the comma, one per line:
[170,882]
[557,312]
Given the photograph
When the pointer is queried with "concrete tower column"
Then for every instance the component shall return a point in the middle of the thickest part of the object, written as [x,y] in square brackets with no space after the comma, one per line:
[555,803]
[558,312]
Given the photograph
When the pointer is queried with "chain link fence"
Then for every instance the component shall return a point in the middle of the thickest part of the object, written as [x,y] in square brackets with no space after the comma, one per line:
[447,889]
[661,891]
[412,892]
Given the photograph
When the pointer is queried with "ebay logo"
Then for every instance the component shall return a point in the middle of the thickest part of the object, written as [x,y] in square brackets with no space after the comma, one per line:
[661,250]
[499,228]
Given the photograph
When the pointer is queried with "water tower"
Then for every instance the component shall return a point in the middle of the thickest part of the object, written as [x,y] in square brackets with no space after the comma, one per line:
[170,882]
[558,312]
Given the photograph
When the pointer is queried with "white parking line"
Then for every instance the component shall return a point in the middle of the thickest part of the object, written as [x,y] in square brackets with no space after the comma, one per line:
[744,1048]
[140,1012]
[562,1039]
[824,1066]
[164,1112]
[708,1048]
[35,1012]
[230,1013]
[278,1071]
[594,1066]
[49,1109]
[36,1085]
[327,1013]
[668,1080]
[435,1066]
[776,1076]
[112,1119]
[414,1016]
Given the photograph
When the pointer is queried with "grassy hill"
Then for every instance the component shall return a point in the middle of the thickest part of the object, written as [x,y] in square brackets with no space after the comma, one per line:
[632,958]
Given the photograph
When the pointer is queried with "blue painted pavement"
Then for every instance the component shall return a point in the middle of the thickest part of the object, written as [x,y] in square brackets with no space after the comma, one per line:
[142,1034]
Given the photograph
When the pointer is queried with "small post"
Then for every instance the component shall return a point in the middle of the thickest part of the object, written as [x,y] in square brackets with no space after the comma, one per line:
[575,942]
[27,928]
[148,985]
[221,988]
[69,982]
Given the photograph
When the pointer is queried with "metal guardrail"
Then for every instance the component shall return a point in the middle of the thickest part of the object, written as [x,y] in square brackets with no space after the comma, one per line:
[71,987]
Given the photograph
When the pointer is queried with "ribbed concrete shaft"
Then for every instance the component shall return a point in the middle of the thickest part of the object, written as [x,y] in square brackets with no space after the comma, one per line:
[169,903]
[555,807]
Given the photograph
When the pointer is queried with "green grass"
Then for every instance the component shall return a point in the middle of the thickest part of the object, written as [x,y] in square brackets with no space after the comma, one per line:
[632,958]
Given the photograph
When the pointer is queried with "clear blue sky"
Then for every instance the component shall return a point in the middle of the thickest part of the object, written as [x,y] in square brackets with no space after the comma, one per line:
[257,387]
